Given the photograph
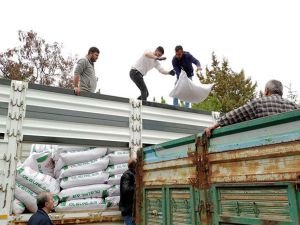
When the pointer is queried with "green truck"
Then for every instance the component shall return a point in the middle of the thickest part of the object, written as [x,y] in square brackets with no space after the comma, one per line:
[246,173]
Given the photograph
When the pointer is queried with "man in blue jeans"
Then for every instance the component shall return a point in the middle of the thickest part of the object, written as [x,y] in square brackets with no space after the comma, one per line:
[184,61]
[127,188]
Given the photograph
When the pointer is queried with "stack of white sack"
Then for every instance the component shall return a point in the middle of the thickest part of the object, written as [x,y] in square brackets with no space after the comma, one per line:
[82,176]
[29,183]
[118,164]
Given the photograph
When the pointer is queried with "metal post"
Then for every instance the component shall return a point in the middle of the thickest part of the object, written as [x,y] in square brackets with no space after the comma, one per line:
[135,127]
[16,113]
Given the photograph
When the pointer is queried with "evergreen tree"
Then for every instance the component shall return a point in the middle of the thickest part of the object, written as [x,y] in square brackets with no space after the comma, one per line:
[230,89]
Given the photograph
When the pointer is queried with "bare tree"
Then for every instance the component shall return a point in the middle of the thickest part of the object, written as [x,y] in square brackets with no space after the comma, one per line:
[37,61]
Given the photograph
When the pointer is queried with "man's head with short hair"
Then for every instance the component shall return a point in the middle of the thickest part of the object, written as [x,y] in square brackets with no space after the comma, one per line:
[132,164]
[178,52]
[45,201]
[159,51]
[93,54]
[273,87]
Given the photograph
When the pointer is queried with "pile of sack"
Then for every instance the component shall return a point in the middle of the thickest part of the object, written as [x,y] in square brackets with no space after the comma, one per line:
[34,176]
[79,178]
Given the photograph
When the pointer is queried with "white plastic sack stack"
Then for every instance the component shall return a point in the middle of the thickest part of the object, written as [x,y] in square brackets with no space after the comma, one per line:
[186,90]
[117,169]
[84,179]
[78,205]
[36,181]
[114,179]
[114,191]
[84,168]
[90,191]
[112,202]
[118,157]
[18,207]
[41,162]
[27,196]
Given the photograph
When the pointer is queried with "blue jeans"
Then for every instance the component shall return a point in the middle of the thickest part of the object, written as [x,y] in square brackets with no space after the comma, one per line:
[175,100]
[128,220]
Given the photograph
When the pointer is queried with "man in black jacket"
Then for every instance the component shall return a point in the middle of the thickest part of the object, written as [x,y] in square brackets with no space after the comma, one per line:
[127,188]
[45,204]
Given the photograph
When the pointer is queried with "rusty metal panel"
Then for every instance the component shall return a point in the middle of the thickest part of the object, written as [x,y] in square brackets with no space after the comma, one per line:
[154,207]
[181,206]
[261,164]
[255,205]
[174,172]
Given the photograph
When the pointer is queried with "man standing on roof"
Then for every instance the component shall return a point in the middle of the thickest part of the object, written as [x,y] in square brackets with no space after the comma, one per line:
[146,62]
[84,76]
[184,61]
[272,103]
[45,204]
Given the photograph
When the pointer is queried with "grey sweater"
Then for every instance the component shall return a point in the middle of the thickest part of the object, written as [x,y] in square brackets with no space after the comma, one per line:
[86,71]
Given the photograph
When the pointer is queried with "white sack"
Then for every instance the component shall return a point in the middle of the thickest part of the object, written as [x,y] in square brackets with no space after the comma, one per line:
[189,91]
[18,207]
[114,179]
[56,200]
[74,157]
[112,202]
[117,169]
[41,162]
[118,157]
[80,205]
[39,148]
[37,181]
[90,191]
[114,191]
[26,196]
[85,179]
[115,149]
[65,148]
[84,168]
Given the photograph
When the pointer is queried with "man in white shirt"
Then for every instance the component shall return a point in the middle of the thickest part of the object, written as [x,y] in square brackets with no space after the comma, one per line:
[148,61]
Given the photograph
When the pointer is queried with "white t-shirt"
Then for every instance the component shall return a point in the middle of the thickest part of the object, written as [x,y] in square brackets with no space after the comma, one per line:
[144,64]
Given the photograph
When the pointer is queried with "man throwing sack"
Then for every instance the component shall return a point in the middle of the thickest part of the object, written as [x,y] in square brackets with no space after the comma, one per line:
[146,62]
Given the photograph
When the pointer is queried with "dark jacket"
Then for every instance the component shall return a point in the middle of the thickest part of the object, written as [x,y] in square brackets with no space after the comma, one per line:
[185,63]
[40,218]
[127,187]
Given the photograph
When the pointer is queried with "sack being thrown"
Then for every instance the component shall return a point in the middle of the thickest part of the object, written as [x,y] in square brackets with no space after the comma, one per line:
[189,91]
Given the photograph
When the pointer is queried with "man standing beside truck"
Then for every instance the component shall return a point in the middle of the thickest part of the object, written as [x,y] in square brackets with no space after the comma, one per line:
[270,104]
[127,189]
[84,76]
[45,204]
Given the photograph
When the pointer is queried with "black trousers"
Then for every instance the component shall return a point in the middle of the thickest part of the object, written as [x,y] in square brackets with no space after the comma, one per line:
[138,79]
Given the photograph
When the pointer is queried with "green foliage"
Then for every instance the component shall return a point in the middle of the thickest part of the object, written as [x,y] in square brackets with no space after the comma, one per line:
[162,100]
[37,61]
[230,89]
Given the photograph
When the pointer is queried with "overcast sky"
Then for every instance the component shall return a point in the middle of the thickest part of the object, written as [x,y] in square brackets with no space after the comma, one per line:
[261,37]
